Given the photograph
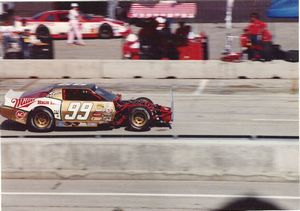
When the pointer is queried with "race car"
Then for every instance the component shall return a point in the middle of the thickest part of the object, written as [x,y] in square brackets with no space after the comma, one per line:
[81,105]
[56,24]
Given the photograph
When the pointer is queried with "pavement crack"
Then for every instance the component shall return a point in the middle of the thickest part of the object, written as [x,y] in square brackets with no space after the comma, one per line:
[56,186]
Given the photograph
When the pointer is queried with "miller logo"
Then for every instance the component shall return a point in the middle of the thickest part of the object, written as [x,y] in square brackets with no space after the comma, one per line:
[22,102]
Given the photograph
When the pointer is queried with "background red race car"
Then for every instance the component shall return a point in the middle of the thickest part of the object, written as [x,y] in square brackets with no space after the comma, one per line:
[56,24]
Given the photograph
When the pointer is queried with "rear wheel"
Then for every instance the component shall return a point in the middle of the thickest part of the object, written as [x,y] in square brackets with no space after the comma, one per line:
[41,120]
[139,119]
[105,31]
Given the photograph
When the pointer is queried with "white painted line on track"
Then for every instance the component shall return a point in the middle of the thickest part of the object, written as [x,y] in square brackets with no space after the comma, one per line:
[147,194]
[276,120]
[201,87]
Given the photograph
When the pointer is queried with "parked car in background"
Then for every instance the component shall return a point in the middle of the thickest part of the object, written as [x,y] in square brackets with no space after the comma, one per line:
[56,24]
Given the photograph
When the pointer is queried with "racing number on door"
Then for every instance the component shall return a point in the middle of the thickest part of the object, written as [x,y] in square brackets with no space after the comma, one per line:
[76,107]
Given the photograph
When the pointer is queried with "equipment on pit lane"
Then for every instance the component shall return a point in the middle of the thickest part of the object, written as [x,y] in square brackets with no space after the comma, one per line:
[82,105]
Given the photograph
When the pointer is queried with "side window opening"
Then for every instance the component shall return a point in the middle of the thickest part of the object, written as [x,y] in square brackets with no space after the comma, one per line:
[63,17]
[80,95]
[50,18]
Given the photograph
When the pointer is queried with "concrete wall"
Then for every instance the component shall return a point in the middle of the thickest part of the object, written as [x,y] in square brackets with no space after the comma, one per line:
[186,159]
[146,69]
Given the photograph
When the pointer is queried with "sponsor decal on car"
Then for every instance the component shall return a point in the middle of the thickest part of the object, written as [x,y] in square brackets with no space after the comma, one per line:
[106,117]
[22,102]
[97,114]
[20,114]
[42,102]
[100,107]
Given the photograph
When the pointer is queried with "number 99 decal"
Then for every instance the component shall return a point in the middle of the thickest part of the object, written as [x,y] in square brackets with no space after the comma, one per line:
[76,107]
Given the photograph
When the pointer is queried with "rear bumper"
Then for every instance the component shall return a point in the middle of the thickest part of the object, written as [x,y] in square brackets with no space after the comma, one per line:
[14,114]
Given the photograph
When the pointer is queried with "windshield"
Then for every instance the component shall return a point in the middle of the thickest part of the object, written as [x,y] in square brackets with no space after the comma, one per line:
[109,96]
[37,16]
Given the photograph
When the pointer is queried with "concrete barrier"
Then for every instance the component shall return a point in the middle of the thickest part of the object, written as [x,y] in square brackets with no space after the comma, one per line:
[146,69]
[182,159]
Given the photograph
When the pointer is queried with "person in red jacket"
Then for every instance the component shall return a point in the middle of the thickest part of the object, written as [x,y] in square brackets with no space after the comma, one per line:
[260,39]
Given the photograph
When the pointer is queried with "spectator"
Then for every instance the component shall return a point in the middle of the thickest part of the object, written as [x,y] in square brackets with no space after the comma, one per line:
[26,44]
[180,30]
[75,26]
[6,34]
[182,34]
[149,41]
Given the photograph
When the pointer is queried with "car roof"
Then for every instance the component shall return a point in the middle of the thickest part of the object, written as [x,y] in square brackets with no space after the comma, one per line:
[75,86]
[55,11]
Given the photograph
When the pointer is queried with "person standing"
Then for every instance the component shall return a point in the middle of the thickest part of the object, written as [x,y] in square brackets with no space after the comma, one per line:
[75,26]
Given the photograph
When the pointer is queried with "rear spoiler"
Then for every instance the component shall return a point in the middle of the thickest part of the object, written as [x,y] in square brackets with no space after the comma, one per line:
[11,94]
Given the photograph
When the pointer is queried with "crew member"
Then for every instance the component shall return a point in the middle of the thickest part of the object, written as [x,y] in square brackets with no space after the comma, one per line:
[256,28]
[75,25]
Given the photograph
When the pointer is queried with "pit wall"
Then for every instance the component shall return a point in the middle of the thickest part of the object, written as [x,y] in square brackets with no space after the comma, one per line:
[172,159]
[146,69]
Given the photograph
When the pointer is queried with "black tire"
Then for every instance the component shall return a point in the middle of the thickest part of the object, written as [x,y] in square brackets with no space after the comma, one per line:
[144,99]
[42,32]
[41,120]
[105,31]
[139,119]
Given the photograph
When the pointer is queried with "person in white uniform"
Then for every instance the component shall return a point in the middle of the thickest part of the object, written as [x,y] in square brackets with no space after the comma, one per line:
[75,29]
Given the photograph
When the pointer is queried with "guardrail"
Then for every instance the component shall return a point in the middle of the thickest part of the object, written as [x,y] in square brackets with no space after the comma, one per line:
[146,69]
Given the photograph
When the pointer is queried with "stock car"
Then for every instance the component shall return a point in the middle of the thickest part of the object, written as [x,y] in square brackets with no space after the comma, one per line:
[56,24]
[82,105]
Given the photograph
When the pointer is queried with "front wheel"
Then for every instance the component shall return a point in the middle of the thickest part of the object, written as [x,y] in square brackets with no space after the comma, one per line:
[105,31]
[139,119]
[41,120]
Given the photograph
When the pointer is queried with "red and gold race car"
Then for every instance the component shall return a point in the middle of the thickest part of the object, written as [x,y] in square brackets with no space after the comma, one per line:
[56,24]
[81,105]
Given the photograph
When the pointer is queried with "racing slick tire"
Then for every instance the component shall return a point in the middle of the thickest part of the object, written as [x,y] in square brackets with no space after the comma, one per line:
[105,31]
[41,120]
[139,119]
[144,99]
[42,32]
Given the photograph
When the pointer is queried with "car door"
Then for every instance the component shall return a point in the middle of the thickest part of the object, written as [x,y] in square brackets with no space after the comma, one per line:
[62,24]
[86,108]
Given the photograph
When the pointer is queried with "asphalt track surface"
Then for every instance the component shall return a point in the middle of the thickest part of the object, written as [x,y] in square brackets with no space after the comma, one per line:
[202,107]
[132,195]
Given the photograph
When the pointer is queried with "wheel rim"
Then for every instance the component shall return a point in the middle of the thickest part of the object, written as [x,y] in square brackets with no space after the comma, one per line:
[139,119]
[42,120]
